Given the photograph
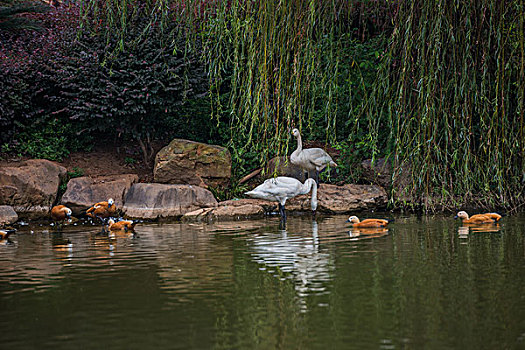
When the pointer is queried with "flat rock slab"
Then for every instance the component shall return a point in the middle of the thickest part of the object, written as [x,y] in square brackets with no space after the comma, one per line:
[344,199]
[331,200]
[31,187]
[232,210]
[153,200]
[193,163]
[83,192]
[7,215]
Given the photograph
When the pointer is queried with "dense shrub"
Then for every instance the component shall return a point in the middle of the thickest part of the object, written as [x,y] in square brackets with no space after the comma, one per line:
[150,90]
[27,76]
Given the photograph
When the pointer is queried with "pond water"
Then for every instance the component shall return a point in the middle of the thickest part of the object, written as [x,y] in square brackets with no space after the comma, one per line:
[426,282]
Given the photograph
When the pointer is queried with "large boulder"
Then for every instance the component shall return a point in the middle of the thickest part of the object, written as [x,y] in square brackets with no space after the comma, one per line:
[31,187]
[344,199]
[193,163]
[83,192]
[7,215]
[152,200]
[283,167]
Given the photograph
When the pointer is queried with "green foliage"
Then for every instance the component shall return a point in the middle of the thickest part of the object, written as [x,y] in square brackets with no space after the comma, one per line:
[47,141]
[450,94]
[129,160]
[77,172]
[6,148]
[139,94]
[403,79]
[231,192]
[348,169]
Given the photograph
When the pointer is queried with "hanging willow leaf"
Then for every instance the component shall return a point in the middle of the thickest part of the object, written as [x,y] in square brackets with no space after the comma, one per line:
[444,101]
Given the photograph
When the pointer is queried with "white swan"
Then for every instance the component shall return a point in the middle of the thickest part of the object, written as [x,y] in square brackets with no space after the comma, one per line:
[310,158]
[281,188]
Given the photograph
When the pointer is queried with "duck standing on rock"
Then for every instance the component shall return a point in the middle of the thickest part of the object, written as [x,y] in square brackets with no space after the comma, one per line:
[60,213]
[282,188]
[102,210]
[310,158]
[478,218]
[367,223]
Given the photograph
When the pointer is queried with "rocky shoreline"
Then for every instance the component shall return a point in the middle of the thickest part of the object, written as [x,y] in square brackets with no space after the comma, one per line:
[182,174]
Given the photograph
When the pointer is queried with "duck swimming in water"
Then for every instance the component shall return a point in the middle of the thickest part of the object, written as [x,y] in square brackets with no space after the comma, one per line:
[122,225]
[478,218]
[5,233]
[368,222]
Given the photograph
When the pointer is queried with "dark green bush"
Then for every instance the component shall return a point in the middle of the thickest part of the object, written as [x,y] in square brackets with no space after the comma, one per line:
[48,141]
[150,90]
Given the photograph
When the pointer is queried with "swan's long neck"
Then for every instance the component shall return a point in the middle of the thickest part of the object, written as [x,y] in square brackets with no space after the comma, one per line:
[310,185]
[314,196]
[299,143]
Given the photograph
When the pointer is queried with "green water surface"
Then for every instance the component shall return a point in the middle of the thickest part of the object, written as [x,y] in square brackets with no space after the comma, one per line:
[425,283]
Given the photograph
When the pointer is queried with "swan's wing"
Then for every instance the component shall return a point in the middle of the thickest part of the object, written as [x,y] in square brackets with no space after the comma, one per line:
[317,156]
[282,186]
[278,188]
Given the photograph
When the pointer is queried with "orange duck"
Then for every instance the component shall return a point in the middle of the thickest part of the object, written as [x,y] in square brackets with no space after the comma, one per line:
[367,222]
[5,233]
[60,213]
[123,225]
[494,216]
[102,210]
[478,218]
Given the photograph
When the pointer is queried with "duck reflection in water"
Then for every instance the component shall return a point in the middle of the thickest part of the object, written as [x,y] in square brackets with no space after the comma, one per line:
[62,247]
[463,231]
[365,233]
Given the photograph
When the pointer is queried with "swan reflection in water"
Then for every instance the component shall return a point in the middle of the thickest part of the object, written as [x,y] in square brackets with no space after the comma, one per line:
[466,229]
[364,233]
[298,255]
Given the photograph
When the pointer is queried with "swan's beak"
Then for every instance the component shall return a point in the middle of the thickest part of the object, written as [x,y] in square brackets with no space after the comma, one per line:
[348,220]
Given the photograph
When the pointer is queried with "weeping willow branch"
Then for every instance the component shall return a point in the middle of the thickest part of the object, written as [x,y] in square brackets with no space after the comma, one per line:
[447,104]
[451,90]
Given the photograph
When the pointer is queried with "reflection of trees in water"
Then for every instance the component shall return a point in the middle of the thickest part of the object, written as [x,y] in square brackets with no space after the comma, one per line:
[195,257]
[29,265]
[189,259]
[39,257]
